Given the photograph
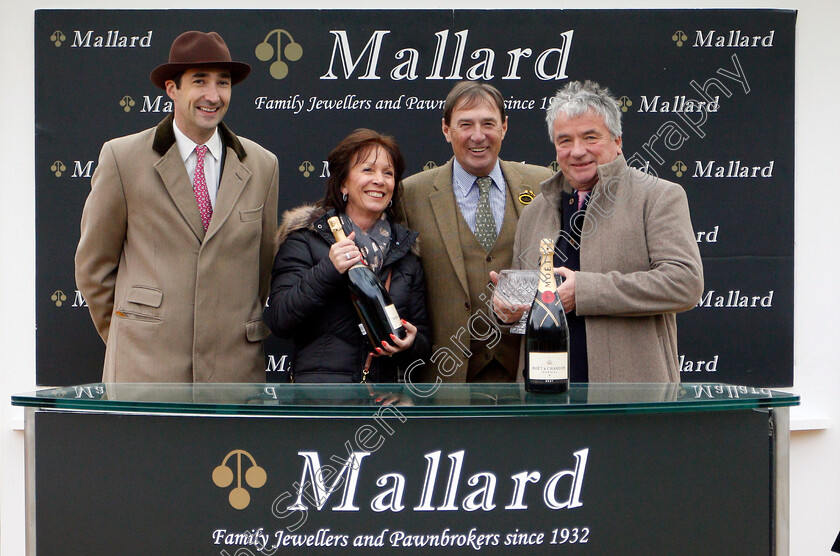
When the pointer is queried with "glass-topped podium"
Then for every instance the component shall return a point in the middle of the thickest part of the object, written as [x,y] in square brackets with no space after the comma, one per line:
[362,400]
[403,468]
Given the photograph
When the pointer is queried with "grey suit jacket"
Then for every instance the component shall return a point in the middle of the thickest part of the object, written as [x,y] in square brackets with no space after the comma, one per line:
[172,302]
[640,265]
[428,206]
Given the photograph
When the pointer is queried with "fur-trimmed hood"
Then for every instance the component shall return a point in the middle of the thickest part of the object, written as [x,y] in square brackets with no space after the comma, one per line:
[296,219]
[306,217]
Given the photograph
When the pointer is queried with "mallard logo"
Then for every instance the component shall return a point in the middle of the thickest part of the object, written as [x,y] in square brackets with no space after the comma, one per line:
[526,197]
[58,38]
[625,103]
[127,103]
[58,168]
[265,51]
[58,297]
[306,168]
[223,476]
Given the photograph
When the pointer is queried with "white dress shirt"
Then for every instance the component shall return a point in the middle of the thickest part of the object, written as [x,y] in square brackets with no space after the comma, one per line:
[212,160]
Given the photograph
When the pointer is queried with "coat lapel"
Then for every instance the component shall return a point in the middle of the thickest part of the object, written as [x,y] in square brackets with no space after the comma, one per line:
[174,175]
[234,177]
[445,208]
[171,170]
[513,179]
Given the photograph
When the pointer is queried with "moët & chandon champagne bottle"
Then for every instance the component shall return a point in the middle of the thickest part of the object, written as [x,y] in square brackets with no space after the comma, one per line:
[547,333]
[370,298]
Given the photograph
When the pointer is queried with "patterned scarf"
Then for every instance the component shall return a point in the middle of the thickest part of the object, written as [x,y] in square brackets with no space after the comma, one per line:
[373,243]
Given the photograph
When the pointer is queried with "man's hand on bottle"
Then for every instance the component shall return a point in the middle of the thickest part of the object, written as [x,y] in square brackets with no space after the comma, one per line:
[566,290]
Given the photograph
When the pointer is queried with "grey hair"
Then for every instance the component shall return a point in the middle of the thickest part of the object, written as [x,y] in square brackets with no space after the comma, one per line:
[576,98]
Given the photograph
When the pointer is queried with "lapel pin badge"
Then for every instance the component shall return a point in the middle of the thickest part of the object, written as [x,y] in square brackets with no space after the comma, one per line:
[526,196]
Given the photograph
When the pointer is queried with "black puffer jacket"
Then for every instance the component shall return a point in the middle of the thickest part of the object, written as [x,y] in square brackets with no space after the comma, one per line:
[310,303]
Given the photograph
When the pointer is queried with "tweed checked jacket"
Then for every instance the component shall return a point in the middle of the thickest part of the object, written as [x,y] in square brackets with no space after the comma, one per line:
[428,206]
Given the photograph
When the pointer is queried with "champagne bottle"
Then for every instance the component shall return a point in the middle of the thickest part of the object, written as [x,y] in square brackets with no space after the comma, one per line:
[370,298]
[547,333]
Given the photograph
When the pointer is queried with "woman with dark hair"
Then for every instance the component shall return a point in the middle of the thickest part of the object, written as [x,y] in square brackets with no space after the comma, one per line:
[310,301]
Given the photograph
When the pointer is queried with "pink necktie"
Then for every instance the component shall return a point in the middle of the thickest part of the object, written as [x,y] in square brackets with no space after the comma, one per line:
[582,195]
[202,197]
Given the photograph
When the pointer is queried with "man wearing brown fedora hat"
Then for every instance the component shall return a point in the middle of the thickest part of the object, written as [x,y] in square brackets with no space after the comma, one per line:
[177,234]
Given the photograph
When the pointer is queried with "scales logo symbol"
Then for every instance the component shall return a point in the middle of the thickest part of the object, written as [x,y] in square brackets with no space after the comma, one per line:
[255,477]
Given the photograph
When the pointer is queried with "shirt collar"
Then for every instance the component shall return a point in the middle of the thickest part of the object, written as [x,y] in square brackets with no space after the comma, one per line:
[186,146]
[554,186]
[462,181]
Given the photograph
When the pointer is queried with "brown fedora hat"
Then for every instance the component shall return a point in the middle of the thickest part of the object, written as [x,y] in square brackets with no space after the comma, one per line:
[195,49]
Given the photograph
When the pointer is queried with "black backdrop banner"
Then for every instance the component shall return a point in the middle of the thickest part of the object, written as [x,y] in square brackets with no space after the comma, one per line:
[707,96]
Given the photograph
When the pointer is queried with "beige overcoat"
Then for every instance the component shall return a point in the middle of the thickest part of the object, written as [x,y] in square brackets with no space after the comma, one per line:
[171,302]
[640,265]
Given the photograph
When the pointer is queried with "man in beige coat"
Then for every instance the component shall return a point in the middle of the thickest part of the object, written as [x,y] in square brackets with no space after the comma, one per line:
[177,233]
[460,243]
[625,246]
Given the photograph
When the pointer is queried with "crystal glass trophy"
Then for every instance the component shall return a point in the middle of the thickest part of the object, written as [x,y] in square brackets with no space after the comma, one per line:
[517,287]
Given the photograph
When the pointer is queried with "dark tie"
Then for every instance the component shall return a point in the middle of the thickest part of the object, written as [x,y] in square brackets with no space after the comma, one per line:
[485,224]
[202,196]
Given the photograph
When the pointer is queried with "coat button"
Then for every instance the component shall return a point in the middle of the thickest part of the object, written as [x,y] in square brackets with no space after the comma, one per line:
[467,305]
[489,258]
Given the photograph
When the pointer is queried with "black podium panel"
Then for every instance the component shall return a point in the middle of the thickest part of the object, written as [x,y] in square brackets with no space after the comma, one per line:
[684,483]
